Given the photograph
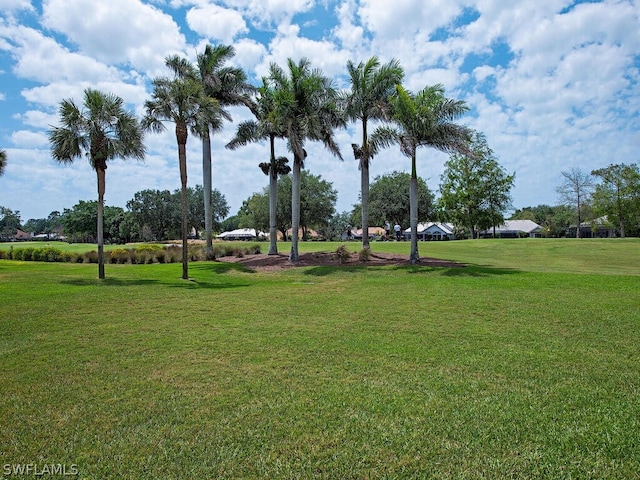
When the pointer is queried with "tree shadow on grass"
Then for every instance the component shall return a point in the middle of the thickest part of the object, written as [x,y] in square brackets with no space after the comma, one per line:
[203,270]
[479,271]
[109,282]
[459,271]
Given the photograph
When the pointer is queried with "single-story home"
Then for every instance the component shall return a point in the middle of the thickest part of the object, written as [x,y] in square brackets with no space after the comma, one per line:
[21,236]
[241,234]
[432,231]
[515,229]
[356,234]
[597,228]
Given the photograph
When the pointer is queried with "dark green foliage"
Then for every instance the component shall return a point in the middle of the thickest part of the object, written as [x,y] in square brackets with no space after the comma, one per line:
[475,189]
[389,200]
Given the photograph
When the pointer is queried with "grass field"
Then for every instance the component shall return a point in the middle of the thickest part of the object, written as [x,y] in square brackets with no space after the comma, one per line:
[524,364]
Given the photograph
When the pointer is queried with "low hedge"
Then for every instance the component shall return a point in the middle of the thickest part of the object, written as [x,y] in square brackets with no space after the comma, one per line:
[141,254]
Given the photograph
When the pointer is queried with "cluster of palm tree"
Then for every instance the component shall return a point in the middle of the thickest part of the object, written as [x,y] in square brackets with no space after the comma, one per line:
[297,104]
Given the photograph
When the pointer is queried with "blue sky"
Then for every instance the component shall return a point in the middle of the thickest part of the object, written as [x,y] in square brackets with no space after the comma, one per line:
[553,84]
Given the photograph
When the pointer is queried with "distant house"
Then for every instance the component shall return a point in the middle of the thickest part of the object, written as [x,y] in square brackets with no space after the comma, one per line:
[241,234]
[597,228]
[373,232]
[515,229]
[432,231]
[21,236]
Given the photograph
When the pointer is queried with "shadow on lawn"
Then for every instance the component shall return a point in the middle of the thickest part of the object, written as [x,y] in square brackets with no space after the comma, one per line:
[110,282]
[462,271]
[201,272]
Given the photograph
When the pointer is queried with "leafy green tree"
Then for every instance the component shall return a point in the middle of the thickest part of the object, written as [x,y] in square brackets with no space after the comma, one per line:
[317,205]
[425,119]
[306,104]
[80,223]
[9,223]
[197,213]
[389,199]
[50,225]
[475,189]
[36,226]
[3,161]
[153,214]
[575,191]
[265,126]
[337,225]
[254,212]
[182,101]
[102,131]
[618,195]
[372,85]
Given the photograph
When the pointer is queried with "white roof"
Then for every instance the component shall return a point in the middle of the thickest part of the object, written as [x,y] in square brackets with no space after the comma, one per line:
[444,227]
[241,233]
[526,226]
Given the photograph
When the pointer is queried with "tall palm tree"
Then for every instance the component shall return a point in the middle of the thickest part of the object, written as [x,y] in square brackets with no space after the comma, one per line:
[306,104]
[266,126]
[228,85]
[372,85]
[182,101]
[425,119]
[3,161]
[102,130]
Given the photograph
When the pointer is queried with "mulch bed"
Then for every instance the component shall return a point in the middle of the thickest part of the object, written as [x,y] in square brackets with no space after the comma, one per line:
[264,262]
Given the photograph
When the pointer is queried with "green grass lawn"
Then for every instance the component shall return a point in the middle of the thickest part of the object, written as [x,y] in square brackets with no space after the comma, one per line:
[525,364]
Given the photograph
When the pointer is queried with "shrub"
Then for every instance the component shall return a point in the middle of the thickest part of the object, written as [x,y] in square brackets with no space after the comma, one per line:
[90,257]
[364,255]
[70,257]
[119,255]
[342,254]
[173,254]
[149,247]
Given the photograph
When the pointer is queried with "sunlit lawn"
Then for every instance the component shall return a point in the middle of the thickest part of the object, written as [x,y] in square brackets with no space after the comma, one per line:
[525,364]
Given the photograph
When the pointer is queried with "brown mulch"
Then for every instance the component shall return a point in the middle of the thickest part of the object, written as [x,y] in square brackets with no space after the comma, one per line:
[264,262]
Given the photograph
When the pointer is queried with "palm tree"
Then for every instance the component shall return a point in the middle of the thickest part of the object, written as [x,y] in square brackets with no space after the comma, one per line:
[3,161]
[371,87]
[228,85]
[103,130]
[181,100]
[266,126]
[424,120]
[306,104]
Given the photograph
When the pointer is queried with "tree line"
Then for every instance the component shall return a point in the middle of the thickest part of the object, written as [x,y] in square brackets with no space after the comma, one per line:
[607,197]
[298,104]
[150,216]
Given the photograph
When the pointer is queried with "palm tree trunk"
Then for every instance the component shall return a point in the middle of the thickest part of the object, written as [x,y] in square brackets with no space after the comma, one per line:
[364,193]
[295,208]
[273,201]
[364,186]
[206,187]
[181,135]
[414,257]
[101,189]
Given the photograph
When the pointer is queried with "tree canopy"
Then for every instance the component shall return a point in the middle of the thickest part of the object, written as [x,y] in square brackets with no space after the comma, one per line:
[475,189]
